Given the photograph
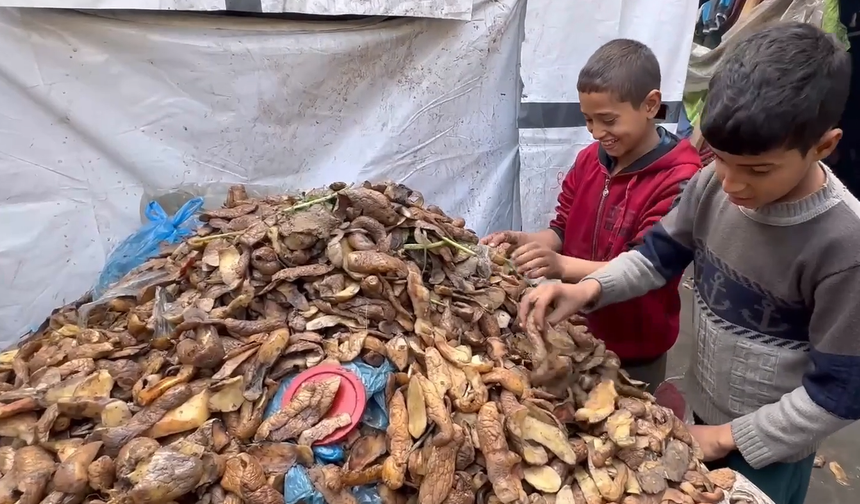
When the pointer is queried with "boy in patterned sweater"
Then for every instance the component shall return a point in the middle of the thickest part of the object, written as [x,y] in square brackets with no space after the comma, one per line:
[775,241]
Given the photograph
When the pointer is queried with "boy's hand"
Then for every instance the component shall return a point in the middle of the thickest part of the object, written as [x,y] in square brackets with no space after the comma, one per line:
[567,299]
[505,239]
[716,441]
[535,260]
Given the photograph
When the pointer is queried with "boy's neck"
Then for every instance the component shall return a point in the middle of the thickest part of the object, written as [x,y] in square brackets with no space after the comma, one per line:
[648,143]
[810,184]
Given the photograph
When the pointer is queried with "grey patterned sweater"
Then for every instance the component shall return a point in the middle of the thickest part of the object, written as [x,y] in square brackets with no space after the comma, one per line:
[777,316]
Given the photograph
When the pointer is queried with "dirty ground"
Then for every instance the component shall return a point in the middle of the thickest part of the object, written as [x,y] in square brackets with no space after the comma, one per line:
[843,448]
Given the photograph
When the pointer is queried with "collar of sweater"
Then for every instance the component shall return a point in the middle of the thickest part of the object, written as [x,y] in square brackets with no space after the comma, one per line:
[795,212]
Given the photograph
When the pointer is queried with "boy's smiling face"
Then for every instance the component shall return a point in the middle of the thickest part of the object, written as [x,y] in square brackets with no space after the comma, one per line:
[618,126]
[779,175]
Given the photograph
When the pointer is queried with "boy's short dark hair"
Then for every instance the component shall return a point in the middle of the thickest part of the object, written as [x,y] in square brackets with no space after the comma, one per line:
[782,87]
[625,68]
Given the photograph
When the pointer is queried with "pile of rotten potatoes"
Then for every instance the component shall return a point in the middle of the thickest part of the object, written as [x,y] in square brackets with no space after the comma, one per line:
[158,395]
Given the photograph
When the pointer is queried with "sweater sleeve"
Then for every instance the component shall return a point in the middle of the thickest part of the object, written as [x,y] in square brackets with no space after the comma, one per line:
[829,398]
[666,250]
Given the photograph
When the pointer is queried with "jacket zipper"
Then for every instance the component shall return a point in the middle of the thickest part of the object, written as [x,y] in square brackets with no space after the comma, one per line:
[599,218]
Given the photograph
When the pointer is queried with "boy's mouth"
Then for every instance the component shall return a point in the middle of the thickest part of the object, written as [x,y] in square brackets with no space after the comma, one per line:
[608,144]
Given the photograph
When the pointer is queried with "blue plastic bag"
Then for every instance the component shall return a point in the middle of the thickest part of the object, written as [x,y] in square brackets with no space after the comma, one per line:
[298,487]
[144,242]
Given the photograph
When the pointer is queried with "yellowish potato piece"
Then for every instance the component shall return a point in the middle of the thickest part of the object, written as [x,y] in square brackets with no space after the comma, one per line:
[190,415]
[542,478]
[600,403]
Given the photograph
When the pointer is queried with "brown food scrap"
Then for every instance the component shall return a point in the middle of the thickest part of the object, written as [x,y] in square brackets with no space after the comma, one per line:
[252,485]
[204,350]
[101,474]
[228,213]
[724,478]
[7,459]
[372,204]
[399,442]
[542,478]
[437,412]
[267,354]
[397,350]
[508,379]
[323,428]
[367,449]
[674,496]
[166,475]
[33,468]
[702,497]
[72,476]
[416,407]
[600,403]
[376,263]
[838,473]
[440,470]
[676,459]
[462,491]
[24,405]
[437,370]
[621,428]
[278,458]
[589,490]
[366,476]
[819,461]
[310,404]
[549,436]
[115,437]
[652,477]
[500,460]
[325,479]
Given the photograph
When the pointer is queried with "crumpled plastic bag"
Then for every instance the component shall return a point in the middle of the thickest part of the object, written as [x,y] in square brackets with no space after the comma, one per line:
[144,243]
[298,488]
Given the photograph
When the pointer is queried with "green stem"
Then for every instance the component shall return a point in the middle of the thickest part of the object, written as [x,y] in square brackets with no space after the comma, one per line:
[458,246]
[310,203]
[200,240]
[420,246]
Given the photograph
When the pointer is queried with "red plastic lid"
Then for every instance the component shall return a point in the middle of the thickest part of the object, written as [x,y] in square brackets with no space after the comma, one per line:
[351,397]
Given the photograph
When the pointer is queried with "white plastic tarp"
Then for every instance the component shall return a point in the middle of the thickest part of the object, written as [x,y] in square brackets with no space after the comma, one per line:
[559,38]
[441,9]
[99,108]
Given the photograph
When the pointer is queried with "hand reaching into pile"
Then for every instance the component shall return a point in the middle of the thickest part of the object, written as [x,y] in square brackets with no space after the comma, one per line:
[536,260]
[564,300]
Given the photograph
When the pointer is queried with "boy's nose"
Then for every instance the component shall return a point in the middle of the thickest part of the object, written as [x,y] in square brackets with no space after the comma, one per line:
[732,185]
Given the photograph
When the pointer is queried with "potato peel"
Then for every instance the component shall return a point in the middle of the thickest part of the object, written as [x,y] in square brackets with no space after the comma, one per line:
[174,391]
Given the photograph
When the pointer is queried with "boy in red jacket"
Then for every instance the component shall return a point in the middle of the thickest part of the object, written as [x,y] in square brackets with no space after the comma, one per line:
[616,190]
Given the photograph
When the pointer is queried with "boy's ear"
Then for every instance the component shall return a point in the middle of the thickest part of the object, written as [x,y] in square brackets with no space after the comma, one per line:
[651,103]
[827,144]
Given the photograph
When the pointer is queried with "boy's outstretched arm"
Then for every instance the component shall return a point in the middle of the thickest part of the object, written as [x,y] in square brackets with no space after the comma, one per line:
[829,398]
[665,252]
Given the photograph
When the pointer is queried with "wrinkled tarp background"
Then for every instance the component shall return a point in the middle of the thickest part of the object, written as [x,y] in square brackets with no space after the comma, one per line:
[102,106]
[442,9]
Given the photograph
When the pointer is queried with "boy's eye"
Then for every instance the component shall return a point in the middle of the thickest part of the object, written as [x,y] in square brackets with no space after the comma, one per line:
[609,122]
[760,171]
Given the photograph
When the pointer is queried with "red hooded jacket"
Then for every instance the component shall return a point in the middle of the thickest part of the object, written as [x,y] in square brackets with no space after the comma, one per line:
[599,216]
